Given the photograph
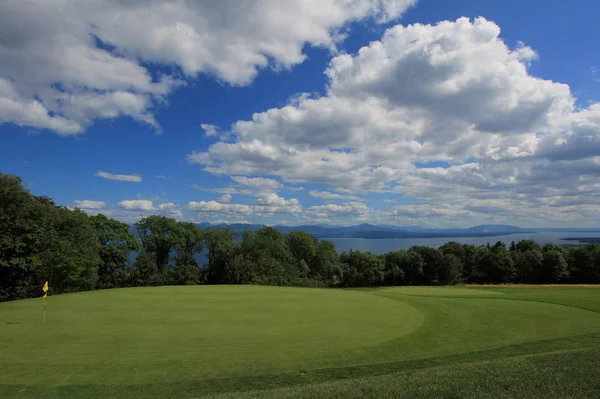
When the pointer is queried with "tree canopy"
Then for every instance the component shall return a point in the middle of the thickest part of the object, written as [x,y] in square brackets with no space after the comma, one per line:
[40,241]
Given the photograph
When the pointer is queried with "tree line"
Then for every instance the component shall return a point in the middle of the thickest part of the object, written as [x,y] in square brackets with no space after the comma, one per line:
[40,241]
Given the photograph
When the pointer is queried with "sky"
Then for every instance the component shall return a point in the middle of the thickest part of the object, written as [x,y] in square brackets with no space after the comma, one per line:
[433,113]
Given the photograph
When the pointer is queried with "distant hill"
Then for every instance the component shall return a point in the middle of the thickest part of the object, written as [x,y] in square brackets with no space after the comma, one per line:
[369,231]
[496,228]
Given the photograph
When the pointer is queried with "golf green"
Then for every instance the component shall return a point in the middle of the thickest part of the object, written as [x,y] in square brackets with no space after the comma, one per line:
[192,340]
[213,331]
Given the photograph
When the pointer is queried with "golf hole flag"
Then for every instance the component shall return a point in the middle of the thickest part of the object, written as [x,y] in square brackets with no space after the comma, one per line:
[45,289]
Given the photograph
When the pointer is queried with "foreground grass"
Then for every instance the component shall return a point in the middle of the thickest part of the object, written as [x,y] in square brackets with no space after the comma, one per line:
[185,342]
[566,374]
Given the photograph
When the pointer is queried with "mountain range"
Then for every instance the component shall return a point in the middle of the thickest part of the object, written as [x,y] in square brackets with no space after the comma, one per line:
[369,231]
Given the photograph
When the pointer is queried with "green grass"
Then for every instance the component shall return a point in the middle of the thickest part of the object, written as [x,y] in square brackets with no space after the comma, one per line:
[186,342]
[543,376]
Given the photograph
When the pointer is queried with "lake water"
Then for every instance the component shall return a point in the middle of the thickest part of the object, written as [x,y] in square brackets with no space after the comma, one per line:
[381,246]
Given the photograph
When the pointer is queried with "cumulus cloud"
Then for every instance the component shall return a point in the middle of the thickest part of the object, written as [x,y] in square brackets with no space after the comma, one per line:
[290,188]
[330,195]
[356,210]
[429,211]
[137,205]
[272,203]
[265,206]
[453,92]
[250,186]
[86,60]
[146,208]
[209,130]
[224,199]
[219,208]
[325,194]
[88,204]
[167,207]
[224,190]
[110,176]
[257,182]
[171,210]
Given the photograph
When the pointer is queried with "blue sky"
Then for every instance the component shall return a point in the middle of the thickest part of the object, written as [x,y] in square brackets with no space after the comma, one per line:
[437,124]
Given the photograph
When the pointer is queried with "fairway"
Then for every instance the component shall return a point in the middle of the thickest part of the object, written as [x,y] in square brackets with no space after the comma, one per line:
[195,340]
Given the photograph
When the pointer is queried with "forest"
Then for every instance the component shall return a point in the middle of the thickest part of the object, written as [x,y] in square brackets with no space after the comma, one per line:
[40,241]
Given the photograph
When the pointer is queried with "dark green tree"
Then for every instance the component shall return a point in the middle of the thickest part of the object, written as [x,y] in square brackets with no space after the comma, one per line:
[185,271]
[145,271]
[470,259]
[555,268]
[394,264]
[326,265]
[451,271]
[116,244]
[240,270]
[189,240]
[453,248]
[496,266]
[275,263]
[528,265]
[433,264]
[303,248]
[23,223]
[413,267]
[528,245]
[70,256]
[221,248]
[158,236]
[584,262]
[361,269]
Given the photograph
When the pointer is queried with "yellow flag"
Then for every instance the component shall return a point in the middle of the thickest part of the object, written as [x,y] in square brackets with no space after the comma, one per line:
[45,289]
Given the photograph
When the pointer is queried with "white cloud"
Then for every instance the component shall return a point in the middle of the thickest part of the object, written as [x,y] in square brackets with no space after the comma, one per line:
[30,112]
[61,79]
[429,211]
[171,210]
[210,130]
[357,210]
[167,207]
[224,199]
[224,190]
[325,194]
[219,208]
[147,207]
[110,176]
[137,205]
[272,203]
[331,196]
[259,183]
[453,93]
[265,206]
[231,220]
[88,204]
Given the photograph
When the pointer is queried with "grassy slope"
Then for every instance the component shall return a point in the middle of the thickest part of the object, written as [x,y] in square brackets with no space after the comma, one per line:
[459,329]
[566,374]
